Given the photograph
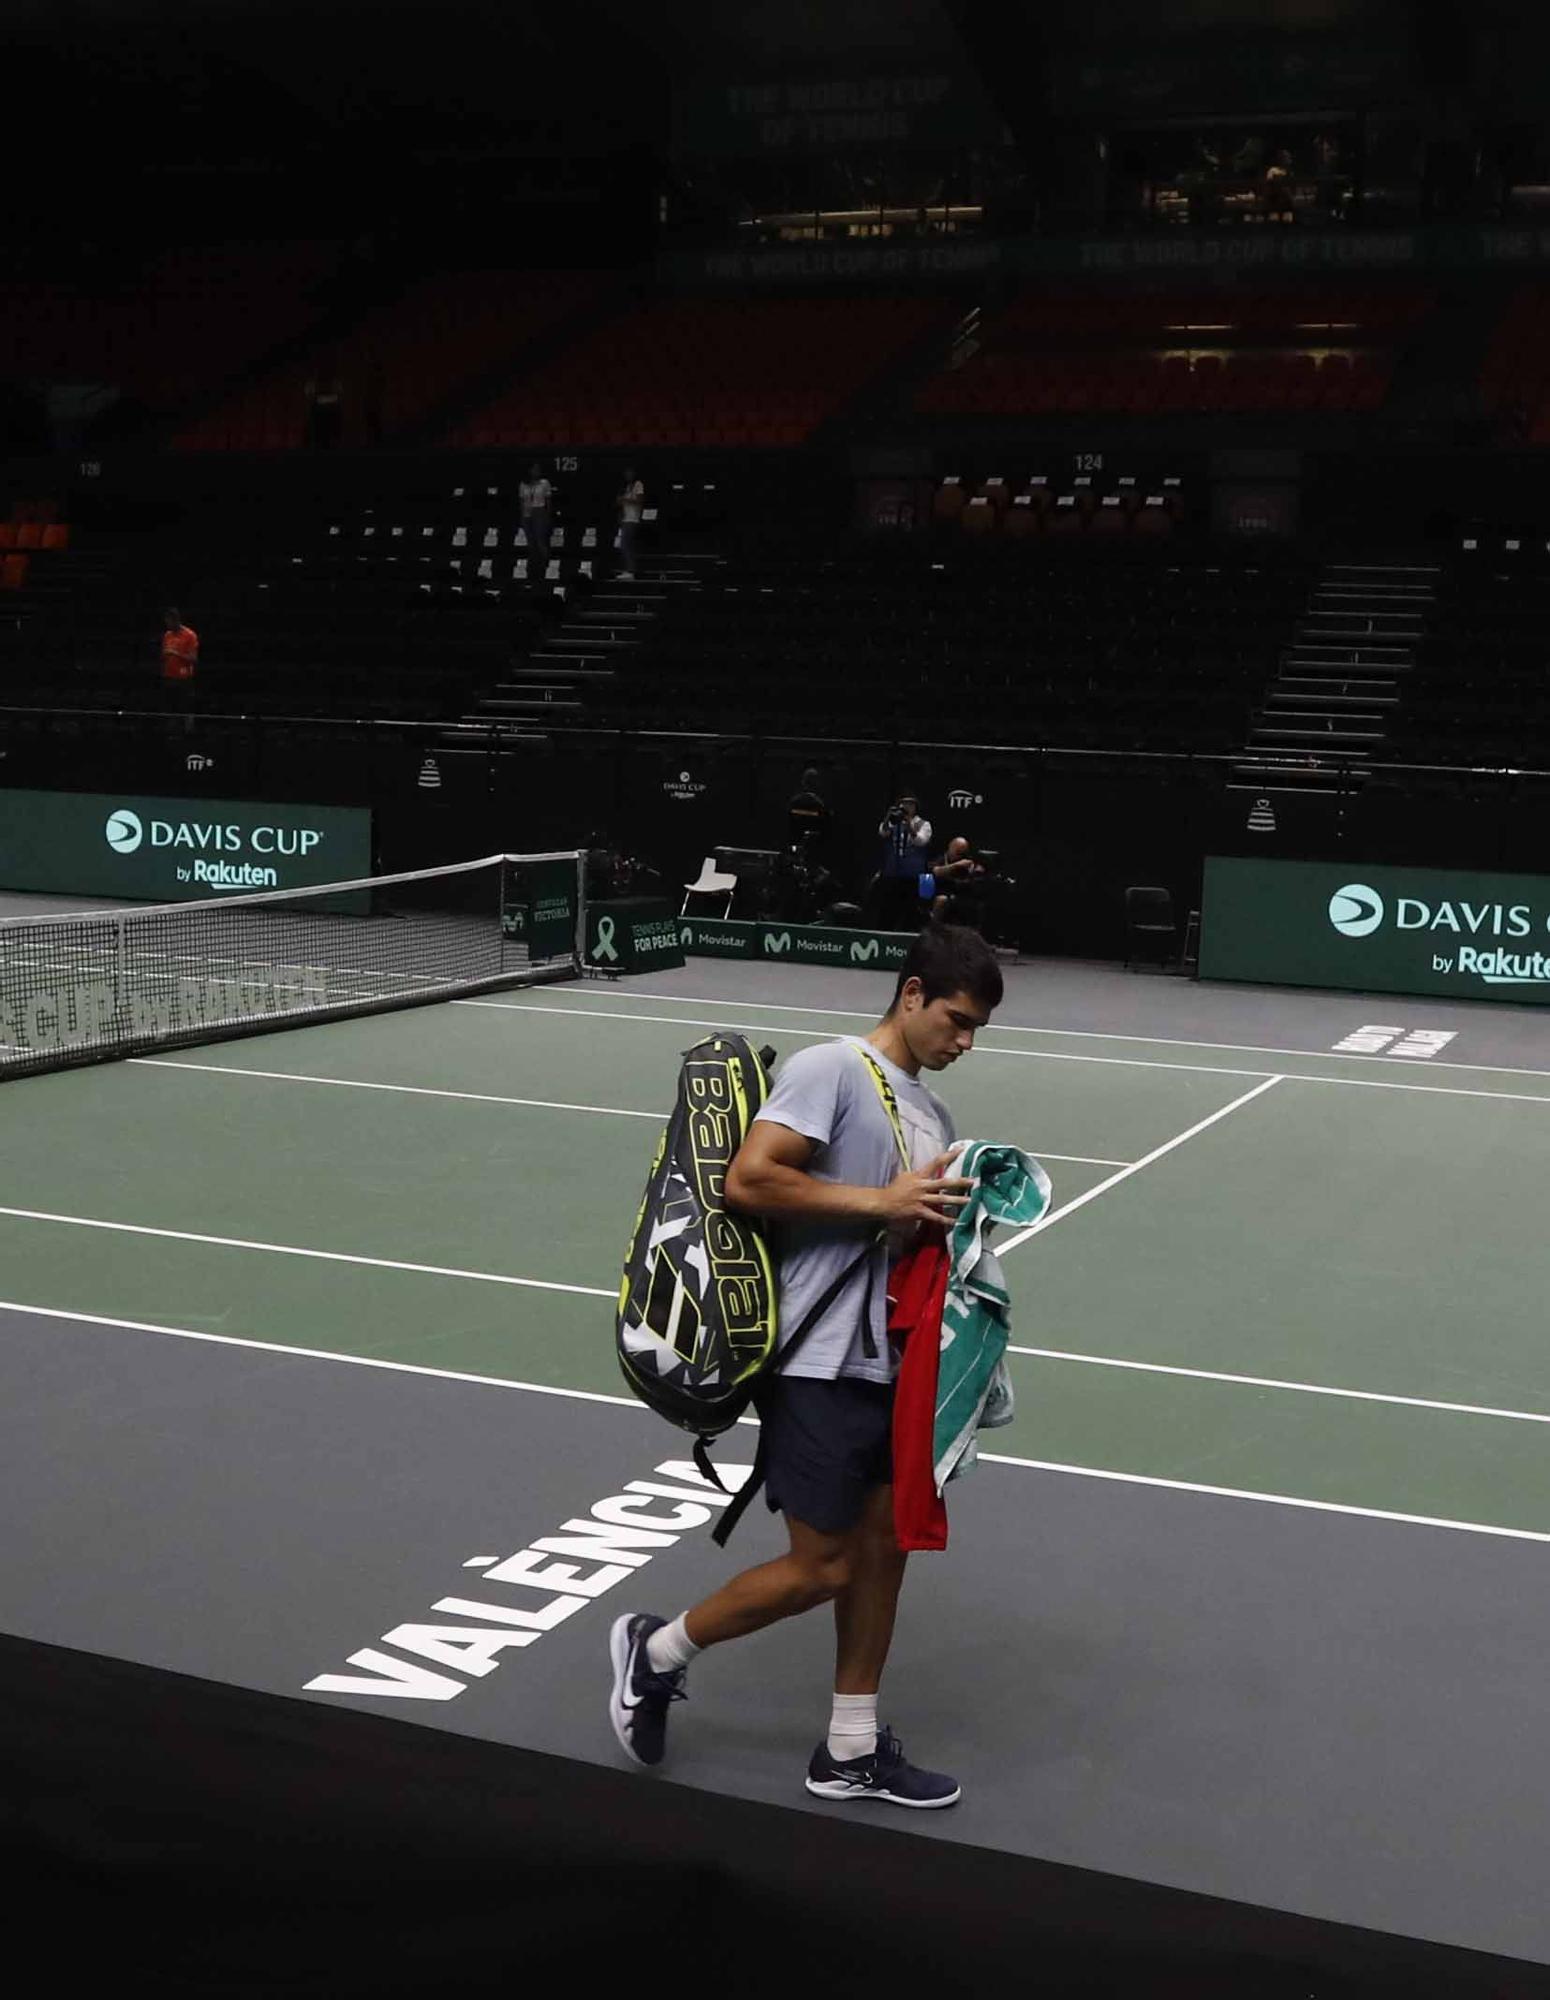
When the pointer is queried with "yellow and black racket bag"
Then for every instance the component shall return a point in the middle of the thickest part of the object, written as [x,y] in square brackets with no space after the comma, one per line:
[697,1308]
[698,1322]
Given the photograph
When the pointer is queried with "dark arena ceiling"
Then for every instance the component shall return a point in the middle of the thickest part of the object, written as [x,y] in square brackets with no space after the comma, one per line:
[104,88]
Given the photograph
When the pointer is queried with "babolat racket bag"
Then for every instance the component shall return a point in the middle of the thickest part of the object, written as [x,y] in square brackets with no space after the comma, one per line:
[698,1312]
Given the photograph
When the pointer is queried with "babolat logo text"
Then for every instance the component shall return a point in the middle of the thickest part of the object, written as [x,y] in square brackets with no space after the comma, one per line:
[1356,911]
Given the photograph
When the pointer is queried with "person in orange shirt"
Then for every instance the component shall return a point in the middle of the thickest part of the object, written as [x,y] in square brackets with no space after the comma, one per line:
[179,648]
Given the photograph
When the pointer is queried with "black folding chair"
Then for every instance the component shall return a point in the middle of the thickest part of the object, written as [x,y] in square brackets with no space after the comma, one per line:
[1151,932]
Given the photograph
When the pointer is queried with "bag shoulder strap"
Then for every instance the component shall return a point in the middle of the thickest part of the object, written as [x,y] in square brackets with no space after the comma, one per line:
[890,1102]
[810,1319]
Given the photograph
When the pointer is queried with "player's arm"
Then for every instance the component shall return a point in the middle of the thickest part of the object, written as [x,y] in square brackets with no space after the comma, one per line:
[769,1177]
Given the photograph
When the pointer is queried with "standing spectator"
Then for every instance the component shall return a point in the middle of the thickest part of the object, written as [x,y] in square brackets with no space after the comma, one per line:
[325,407]
[179,648]
[906,841]
[632,500]
[1278,188]
[179,661]
[535,496]
[807,818]
[373,397]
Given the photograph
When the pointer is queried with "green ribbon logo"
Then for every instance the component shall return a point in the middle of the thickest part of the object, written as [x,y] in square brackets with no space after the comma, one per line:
[604,948]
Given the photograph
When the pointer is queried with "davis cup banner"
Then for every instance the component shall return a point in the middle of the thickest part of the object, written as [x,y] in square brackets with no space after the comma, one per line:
[1440,931]
[165,850]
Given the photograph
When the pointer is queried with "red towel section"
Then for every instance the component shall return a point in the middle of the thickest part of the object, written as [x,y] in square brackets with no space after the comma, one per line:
[917,1291]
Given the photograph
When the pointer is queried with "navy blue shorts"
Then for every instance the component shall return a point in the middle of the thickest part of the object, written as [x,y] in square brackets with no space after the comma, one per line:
[827,1445]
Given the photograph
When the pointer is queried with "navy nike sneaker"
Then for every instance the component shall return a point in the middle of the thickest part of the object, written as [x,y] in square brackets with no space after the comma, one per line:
[886,1774]
[640,1700]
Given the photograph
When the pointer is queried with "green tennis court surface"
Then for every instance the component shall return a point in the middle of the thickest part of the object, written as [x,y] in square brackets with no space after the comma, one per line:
[1293,1289]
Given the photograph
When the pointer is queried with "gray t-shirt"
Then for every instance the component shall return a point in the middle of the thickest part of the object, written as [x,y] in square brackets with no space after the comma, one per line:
[826,1094]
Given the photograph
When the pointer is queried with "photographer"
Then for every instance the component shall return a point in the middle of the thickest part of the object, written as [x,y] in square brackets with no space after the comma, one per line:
[907,841]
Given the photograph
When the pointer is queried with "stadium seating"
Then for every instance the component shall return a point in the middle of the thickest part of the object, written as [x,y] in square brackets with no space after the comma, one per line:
[1478,693]
[1299,351]
[401,361]
[1515,375]
[32,542]
[717,372]
[177,330]
[1111,509]
[1144,653]
[403,609]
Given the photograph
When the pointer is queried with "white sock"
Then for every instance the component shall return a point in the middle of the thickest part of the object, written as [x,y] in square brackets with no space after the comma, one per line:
[670,1647]
[853,1727]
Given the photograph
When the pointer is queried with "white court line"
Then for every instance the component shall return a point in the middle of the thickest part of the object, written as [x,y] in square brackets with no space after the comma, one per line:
[1075,1159]
[294,1250]
[1429,1089]
[824,1035]
[1267,1499]
[322,1354]
[1083,1034]
[1080,1201]
[1271,1382]
[1061,1055]
[407,1089]
[630,1403]
[484,1097]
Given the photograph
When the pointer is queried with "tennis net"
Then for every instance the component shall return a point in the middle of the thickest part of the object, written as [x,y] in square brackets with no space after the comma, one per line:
[108,983]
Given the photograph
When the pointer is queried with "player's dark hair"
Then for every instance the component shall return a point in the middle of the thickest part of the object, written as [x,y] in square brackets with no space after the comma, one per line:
[948,959]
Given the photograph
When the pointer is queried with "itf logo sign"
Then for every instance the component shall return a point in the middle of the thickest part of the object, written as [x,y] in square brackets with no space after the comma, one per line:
[124,831]
[1356,911]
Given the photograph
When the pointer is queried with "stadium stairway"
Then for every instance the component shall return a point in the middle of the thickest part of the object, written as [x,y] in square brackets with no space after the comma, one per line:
[578,658]
[1340,680]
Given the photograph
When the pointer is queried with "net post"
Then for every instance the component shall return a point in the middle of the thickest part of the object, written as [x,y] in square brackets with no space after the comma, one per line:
[580,859]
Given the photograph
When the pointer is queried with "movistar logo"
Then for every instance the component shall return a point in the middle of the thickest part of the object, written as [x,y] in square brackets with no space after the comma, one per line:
[124,831]
[686,934]
[777,942]
[1356,910]
[860,953]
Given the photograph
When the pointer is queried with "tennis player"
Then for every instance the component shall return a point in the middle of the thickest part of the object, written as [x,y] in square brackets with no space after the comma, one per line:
[822,1162]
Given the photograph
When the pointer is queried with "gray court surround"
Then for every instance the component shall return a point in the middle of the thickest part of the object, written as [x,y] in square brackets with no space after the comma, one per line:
[1339,1718]
[1084,996]
[1209,1746]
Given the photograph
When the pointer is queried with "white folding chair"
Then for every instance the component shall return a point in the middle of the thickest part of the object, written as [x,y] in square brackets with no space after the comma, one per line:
[712,882]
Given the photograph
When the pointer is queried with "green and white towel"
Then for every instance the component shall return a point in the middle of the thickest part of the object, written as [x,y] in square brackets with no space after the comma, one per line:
[974,1391]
